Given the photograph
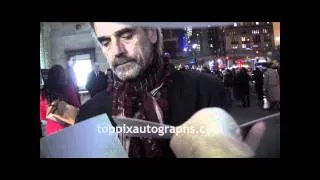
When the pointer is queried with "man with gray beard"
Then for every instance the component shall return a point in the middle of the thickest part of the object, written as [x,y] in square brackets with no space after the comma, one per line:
[146,85]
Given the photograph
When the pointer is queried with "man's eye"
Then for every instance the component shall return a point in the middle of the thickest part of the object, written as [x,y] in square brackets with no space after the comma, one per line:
[105,43]
[127,36]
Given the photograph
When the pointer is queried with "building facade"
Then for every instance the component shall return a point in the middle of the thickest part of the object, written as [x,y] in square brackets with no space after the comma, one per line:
[173,41]
[193,44]
[216,41]
[251,38]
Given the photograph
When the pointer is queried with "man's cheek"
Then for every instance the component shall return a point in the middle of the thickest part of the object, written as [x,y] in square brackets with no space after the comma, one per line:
[110,61]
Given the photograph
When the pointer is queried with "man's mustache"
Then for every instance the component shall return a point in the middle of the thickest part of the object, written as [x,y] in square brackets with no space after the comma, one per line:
[122,60]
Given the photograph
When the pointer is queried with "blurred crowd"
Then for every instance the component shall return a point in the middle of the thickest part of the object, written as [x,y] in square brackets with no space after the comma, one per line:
[264,78]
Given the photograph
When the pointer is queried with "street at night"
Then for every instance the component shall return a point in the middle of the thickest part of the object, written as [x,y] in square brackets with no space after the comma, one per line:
[270,143]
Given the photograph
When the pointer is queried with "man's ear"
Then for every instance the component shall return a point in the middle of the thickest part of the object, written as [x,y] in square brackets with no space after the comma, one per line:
[152,35]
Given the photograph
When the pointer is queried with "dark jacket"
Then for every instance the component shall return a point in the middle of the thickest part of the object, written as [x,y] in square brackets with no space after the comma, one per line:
[241,84]
[258,77]
[190,92]
[95,83]
[228,79]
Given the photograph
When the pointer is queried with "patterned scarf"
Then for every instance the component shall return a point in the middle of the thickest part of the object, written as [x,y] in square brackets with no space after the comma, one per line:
[145,98]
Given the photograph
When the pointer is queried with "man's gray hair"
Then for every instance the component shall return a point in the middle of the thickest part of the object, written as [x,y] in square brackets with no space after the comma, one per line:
[158,46]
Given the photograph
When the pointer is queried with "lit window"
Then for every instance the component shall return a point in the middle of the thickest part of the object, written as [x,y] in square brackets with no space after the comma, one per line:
[257,23]
[243,38]
[235,25]
[197,34]
[82,68]
[268,22]
[211,45]
[243,46]
[267,45]
[258,31]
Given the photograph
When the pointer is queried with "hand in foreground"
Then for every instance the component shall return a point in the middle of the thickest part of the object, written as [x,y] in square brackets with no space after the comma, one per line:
[216,135]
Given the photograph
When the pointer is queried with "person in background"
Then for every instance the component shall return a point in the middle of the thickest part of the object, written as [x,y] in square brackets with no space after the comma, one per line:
[258,79]
[109,77]
[187,67]
[228,84]
[205,69]
[234,72]
[193,67]
[236,84]
[55,89]
[218,74]
[197,68]
[97,81]
[71,77]
[244,87]
[272,86]
[182,68]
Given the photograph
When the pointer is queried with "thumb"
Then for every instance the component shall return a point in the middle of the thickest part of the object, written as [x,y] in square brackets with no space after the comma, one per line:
[255,135]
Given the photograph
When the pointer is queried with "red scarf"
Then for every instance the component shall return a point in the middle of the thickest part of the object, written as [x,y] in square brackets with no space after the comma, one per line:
[146,98]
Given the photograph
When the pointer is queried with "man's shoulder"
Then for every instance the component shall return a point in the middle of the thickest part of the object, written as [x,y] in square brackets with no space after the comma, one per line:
[68,68]
[198,85]
[193,91]
[99,104]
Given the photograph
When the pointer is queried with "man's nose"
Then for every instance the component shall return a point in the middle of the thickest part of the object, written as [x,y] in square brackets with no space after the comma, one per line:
[117,48]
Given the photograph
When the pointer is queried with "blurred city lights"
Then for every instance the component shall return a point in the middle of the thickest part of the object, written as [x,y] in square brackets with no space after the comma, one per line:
[194,46]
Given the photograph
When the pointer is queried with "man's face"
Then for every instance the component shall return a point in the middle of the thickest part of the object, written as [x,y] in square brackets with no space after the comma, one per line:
[127,48]
[72,62]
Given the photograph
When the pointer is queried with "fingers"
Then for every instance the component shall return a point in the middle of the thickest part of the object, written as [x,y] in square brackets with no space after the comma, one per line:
[255,135]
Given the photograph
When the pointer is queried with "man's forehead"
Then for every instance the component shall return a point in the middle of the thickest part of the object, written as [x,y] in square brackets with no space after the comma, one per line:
[109,28]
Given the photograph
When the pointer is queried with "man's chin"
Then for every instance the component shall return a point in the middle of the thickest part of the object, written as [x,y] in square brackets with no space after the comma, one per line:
[126,74]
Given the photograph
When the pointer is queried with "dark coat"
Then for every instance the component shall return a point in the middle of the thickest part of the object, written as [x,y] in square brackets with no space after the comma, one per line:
[95,83]
[241,84]
[190,92]
[228,79]
[258,77]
